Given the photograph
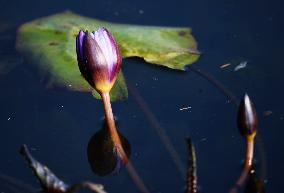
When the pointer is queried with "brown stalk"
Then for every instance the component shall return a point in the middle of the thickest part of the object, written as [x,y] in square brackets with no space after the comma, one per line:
[118,145]
[247,165]
[111,123]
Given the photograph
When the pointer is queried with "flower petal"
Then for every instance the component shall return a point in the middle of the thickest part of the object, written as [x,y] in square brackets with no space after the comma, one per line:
[79,45]
[96,60]
[247,118]
[110,51]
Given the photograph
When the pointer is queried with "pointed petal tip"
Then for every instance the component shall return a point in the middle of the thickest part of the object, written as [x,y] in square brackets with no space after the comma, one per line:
[247,100]
[81,33]
[102,29]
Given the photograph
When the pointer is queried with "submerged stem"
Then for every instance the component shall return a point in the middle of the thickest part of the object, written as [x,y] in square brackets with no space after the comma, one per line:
[110,119]
[247,165]
[249,152]
[117,143]
[112,128]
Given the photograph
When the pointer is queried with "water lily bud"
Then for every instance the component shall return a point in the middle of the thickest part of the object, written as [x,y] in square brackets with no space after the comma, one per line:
[98,58]
[247,118]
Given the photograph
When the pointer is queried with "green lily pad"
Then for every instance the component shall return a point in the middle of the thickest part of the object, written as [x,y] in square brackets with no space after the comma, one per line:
[49,43]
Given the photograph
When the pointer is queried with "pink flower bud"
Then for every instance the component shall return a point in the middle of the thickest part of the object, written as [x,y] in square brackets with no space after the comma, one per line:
[98,58]
[247,118]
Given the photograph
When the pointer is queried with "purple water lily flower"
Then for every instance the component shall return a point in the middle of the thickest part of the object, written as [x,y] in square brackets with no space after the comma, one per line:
[98,58]
[247,118]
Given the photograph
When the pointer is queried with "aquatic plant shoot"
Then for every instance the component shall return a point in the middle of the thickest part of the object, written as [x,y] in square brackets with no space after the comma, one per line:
[98,58]
[99,62]
[247,124]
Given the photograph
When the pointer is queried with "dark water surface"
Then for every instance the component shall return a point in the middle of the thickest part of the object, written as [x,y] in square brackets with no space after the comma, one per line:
[58,124]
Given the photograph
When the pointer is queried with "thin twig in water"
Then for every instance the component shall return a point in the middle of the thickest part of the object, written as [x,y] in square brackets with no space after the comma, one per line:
[156,125]
[216,83]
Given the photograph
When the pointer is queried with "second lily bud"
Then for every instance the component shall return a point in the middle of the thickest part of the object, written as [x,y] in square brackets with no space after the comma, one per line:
[247,118]
[98,58]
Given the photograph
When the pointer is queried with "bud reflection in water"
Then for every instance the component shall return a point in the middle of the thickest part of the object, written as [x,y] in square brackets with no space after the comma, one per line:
[103,156]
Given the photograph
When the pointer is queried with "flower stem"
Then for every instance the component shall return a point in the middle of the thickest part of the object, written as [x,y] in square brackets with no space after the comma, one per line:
[110,120]
[249,153]
[247,165]
[117,143]
[112,128]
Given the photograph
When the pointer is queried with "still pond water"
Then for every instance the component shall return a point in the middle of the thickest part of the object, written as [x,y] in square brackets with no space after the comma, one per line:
[58,124]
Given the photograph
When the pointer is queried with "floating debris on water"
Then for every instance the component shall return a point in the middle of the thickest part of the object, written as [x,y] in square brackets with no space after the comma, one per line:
[203,139]
[155,78]
[267,113]
[225,65]
[228,101]
[33,148]
[185,108]
[242,65]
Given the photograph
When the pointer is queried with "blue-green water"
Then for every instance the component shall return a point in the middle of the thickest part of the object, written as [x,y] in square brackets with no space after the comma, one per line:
[58,124]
